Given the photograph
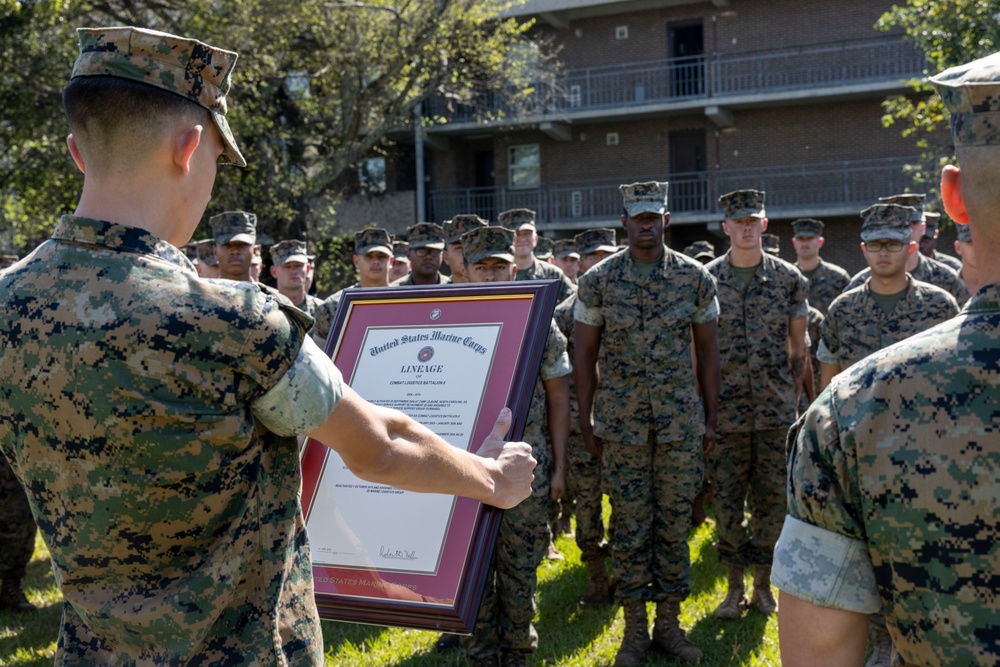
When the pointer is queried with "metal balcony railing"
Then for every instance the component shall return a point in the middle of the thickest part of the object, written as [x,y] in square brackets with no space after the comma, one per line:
[712,78]
[847,185]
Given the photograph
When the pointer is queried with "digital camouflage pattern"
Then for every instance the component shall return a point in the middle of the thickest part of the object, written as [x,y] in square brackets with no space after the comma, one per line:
[648,197]
[809,227]
[540,270]
[234,226]
[185,67]
[372,240]
[517,219]
[565,248]
[544,248]
[647,382]
[17,526]
[700,249]
[887,221]
[963,233]
[7,261]
[931,223]
[399,249]
[407,280]
[926,271]
[913,200]
[757,390]
[172,519]
[953,263]
[856,326]
[815,321]
[594,240]
[742,204]
[460,224]
[425,235]
[508,605]
[483,242]
[826,282]
[899,455]
[770,243]
[289,251]
[206,254]
[971,93]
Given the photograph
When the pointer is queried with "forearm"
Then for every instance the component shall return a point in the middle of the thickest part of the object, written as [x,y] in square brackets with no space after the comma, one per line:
[557,404]
[706,346]
[811,635]
[826,374]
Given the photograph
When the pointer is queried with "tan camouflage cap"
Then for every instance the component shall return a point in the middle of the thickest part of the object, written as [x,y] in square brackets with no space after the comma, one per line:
[399,249]
[373,239]
[913,200]
[565,248]
[185,67]
[964,232]
[700,249]
[255,257]
[650,197]
[742,204]
[886,221]
[517,219]
[190,251]
[6,261]
[770,243]
[425,235]
[809,227]
[205,254]
[971,92]
[544,248]
[932,220]
[234,226]
[466,222]
[595,240]
[291,250]
[484,242]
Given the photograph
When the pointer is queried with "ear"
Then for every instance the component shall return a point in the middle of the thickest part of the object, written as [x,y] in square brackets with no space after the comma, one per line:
[74,150]
[624,226]
[763,224]
[820,243]
[274,271]
[912,249]
[184,147]
[666,219]
[725,228]
[354,258]
[951,194]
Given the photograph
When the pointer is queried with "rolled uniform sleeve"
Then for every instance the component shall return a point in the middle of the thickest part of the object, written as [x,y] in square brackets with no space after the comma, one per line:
[555,359]
[822,555]
[707,312]
[304,396]
[588,314]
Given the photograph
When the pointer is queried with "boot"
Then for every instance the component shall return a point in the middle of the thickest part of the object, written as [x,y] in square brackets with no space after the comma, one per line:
[762,597]
[668,636]
[553,553]
[447,642]
[733,605]
[598,592]
[635,639]
[12,597]
[881,655]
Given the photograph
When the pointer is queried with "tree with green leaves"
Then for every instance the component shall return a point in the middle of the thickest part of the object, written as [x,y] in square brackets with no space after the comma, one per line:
[319,86]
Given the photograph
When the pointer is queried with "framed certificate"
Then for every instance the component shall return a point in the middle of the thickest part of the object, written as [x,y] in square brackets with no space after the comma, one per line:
[451,357]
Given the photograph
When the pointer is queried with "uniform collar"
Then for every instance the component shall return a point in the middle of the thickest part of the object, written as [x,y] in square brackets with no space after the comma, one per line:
[987,299]
[121,238]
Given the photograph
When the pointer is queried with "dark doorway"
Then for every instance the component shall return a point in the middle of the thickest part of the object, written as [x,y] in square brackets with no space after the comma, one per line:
[484,192]
[686,51]
[688,178]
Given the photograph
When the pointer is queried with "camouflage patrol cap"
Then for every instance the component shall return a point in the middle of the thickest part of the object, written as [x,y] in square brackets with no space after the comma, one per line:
[7,261]
[290,250]
[700,249]
[886,221]
[190,251]
[964,233]
[770,243]
[913,200]
[484,242]
[595,240]
[971,92]
[932,220]
[399,249]
[544,248]
[454,228]
[425,235]
[255,257]
[234,226]
[373,239]
[742,204]
[650,197]
[809,227]
[186,67]
[205,254]
[517,219]
[565,248]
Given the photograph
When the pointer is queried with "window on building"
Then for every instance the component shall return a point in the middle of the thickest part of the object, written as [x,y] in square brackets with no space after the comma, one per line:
[524,164]
[371,176]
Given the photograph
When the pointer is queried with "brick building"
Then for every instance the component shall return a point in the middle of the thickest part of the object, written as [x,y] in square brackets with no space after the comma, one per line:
[712,96]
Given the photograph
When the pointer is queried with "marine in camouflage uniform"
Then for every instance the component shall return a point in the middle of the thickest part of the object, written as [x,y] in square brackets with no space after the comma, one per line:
[928,242]
[826,281]
[235,236]
[208,263]
[17,526]
[453,230]
[637,314]
[566,258]
[293,256]
[892,475]
[425,243]
[522,222]
[763,308]
[504,624]
[926,270]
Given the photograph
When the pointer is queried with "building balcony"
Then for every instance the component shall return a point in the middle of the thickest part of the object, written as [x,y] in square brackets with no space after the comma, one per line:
[819,190]
[706,83]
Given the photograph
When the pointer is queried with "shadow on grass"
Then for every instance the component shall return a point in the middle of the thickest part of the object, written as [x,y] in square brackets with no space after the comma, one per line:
[336,634]
[565,625]
[34,634]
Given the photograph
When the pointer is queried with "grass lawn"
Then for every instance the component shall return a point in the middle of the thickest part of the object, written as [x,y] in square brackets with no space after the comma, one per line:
[570,635]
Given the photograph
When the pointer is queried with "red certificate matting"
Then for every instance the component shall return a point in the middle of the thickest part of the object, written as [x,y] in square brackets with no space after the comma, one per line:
[451,356]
